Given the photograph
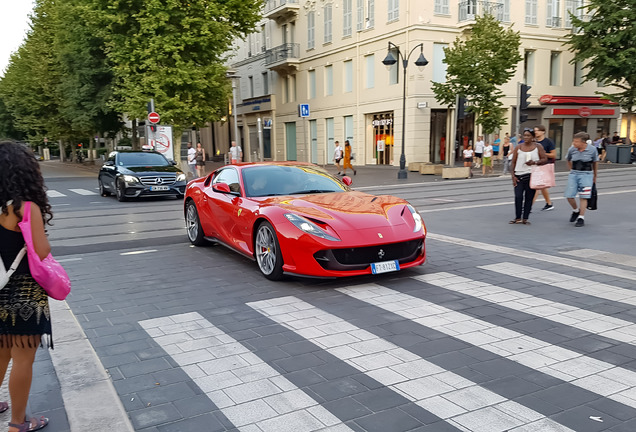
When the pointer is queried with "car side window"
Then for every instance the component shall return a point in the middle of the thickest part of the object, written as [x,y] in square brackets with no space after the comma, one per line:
[230,177]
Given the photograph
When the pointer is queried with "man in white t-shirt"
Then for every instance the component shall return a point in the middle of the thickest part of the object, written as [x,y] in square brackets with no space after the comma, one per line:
[479,150]
[487,159]
[337,155]
[192,160]
[236,153]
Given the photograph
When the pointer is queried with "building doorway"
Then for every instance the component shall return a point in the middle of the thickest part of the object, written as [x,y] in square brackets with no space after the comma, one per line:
[438,136]
[383,133]
[290,140]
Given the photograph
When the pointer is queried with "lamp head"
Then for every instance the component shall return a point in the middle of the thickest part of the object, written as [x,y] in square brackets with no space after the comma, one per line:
[421,61]
[389,60]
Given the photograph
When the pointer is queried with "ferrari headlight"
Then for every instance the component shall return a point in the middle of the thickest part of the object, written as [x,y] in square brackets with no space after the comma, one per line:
[308,226]
[416,217]
[131,179]
[181,176]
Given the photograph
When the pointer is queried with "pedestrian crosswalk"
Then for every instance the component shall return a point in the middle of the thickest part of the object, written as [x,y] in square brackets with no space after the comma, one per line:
[507,322]
[52,193]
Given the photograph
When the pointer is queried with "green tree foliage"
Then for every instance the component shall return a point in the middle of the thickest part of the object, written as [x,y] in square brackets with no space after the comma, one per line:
[173,51]
[8,129]
[606,43]
[479,62]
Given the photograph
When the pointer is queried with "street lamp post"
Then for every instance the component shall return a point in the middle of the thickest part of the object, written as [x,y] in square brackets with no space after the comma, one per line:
[234,77]
[389,61]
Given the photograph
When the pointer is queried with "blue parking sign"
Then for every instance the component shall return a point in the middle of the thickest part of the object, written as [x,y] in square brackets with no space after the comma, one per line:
[303,110]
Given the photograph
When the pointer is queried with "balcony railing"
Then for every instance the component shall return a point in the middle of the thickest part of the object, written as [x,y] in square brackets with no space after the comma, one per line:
[469,9]
[282,54]
[279,9]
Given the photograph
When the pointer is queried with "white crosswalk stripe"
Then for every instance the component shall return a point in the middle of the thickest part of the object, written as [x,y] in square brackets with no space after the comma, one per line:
[54,194]
[83,192]
[602,256]
[618,384]
[249,392]
[610,327]
[570,283]
[447,395]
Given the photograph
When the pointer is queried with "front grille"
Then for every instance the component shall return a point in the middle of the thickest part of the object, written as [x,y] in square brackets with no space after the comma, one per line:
[159,180]
[362,257]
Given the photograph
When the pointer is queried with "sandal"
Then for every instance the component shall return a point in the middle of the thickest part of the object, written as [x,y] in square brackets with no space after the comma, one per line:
[31,425]
[526,222]
[515,221]
[4,406]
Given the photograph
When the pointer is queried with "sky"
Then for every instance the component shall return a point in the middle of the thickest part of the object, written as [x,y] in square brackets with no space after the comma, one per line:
[14,24]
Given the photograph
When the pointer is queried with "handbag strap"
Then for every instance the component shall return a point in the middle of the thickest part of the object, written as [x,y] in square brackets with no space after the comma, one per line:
[16,261]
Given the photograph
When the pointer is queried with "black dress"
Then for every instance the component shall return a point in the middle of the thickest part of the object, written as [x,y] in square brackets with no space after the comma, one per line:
[24,305]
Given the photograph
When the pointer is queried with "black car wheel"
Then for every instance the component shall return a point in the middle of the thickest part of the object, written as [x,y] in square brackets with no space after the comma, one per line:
[193,225]
[120,190]
[102,191]
[268,255]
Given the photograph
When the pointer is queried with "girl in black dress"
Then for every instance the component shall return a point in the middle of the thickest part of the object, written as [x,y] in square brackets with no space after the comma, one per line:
[24,306]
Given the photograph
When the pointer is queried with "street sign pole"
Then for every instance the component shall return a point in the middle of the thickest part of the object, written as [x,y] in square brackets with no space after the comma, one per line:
[260,138]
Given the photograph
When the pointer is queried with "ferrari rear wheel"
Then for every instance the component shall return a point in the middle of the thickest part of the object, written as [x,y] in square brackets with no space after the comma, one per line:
[268,255]
[193,225]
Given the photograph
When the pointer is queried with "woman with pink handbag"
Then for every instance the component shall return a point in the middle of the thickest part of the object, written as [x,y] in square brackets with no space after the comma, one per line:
[24,306]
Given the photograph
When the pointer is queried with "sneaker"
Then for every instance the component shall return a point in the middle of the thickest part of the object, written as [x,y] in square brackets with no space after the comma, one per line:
[574,216]
[579,222]
[548,207]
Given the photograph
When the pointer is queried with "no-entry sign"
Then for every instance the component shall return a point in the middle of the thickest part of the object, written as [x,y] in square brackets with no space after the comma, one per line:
[153,117]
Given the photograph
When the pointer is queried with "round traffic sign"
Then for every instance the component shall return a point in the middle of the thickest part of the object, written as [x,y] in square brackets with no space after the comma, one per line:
[153,117]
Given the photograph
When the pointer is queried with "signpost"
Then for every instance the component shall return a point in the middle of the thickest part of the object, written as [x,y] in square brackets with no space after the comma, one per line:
[303,110]
[153,117]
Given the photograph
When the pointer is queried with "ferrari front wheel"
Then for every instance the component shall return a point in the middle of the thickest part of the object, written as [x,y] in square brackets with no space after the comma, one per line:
[268,255]
[193,225]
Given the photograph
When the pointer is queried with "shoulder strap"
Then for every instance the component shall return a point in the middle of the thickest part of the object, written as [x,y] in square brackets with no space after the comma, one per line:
[14,265]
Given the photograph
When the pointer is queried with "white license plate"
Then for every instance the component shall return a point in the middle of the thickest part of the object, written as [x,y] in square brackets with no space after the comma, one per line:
[159,188]
[385,266]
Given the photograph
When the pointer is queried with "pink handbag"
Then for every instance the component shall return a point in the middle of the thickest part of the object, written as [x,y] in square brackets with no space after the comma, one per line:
[48,273]
[542,176]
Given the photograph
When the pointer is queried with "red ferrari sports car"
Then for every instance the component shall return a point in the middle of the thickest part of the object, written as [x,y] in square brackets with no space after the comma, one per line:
[296,218]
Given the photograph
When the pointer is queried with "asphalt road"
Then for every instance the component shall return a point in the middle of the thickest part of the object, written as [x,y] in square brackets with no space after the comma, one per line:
[505,328]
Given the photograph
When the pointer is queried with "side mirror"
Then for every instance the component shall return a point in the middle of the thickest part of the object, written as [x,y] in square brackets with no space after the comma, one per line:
[109,163]
[221,188]
[173,163]
[347,180]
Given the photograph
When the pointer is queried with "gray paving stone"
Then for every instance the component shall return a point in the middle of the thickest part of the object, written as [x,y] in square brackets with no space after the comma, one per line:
[165,393]
[195,405]
[381,399]
[339,388]
[304,378]
[296,348]
[347,408]
[205,422]
[566,396]
[628,426]
[154,416]
[578,419]
[300,362]
[512,387]
[145,367]
[394,420]
[500,368]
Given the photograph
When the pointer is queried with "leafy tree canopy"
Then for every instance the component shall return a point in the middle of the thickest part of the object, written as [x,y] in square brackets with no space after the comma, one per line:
[606,43]
[480,62]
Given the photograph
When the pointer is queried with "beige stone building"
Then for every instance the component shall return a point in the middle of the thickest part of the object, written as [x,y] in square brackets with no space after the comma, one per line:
[328,54]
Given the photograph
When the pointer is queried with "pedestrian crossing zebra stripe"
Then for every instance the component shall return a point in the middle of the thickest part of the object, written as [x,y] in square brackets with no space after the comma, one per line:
[597,255]
[445,394]
[593,322]
[54,194]
[567,282]
[249,392]
[552,259]
[587,373]
[83,192]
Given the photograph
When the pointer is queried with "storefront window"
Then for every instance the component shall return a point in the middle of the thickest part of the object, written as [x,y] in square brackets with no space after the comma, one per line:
[556,135]
[383,132]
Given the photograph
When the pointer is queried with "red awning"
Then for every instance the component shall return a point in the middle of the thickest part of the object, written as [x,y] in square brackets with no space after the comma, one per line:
[574,100]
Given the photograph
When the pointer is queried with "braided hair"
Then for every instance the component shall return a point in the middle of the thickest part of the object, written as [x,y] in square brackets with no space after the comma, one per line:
[21,180]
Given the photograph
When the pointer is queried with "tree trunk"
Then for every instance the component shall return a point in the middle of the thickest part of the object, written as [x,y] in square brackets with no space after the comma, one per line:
[62,150]
[91,147]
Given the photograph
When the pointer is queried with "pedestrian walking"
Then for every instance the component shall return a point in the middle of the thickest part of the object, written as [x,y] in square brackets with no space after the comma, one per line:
[347,159]
[236,153]
[479,150]
[337,155]
[525,155]
[468,158]
[25,316]
[192,160]
[550,152]
[200,159]
[496,147]
[507,154]
[486,164]
[582,160]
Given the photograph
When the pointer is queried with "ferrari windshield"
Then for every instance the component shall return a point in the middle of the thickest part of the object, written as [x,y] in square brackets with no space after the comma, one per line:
[142,159]
[274,180]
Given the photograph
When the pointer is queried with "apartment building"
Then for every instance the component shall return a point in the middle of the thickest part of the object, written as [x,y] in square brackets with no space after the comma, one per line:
[328,54]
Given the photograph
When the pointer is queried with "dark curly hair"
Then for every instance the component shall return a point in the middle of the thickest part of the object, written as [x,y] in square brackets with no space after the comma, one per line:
[21,180]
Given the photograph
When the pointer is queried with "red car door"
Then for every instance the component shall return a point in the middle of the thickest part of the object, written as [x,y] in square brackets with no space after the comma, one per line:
[224,207]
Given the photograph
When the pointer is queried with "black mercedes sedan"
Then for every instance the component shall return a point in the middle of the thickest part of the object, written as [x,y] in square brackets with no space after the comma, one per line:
[135,174]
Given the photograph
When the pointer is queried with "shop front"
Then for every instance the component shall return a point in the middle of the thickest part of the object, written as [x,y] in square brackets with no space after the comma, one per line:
[563,116]
[250,112]
[383,132]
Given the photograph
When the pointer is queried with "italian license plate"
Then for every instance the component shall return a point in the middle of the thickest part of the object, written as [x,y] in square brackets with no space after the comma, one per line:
[385,266]
[159,188]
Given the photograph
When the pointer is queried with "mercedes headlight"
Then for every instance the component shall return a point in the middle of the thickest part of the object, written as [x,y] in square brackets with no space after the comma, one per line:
[131,179]
[416,217]
[181,176]
[309,227]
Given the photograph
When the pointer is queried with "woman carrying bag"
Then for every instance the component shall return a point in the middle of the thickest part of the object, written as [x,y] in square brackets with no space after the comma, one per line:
[24,306]
[524,156]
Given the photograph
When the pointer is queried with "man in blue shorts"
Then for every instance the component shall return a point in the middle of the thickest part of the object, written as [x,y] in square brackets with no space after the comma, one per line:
[583,163]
